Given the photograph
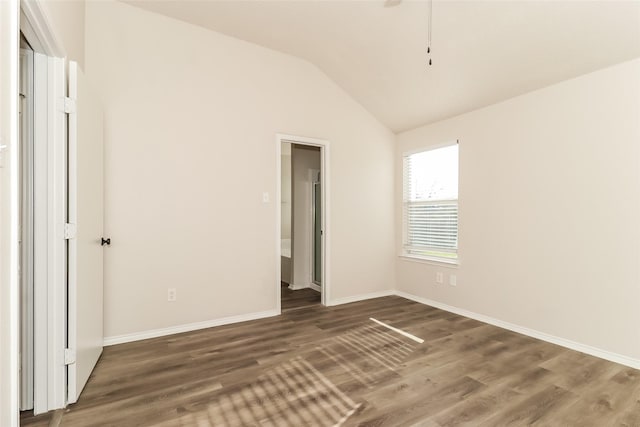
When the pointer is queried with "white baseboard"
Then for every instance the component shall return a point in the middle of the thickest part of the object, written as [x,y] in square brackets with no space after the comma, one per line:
[137,336]
[362,297]
[296,287]
[583,348]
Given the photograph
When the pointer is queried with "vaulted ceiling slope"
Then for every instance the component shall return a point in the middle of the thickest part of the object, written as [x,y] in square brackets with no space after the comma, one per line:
[483,51]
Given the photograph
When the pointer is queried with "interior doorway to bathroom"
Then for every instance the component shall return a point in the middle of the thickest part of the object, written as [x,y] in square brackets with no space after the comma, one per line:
[301,225]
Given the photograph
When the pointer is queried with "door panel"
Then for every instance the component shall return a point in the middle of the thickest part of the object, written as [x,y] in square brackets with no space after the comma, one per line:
[25,115]
[86,211]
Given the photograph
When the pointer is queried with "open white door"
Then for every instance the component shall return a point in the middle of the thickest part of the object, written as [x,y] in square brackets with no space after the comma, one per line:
[86,214]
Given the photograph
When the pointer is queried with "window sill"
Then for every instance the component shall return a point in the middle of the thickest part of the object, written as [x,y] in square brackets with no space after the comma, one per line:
[453,263]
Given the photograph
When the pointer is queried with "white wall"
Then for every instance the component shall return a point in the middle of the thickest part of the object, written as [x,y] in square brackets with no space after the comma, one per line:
[9,214]
[67,19]
[303,159]
[549,233]
[190,124]
[286,266]
[285,192]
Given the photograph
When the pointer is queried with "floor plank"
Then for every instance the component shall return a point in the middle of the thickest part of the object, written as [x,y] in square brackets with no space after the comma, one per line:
[333,366]
[301,298]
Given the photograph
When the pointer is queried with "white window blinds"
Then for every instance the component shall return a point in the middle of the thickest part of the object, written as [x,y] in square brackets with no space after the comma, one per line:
[430,203]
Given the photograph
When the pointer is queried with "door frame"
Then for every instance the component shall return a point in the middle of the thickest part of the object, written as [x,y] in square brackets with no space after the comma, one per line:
[50,215]
[313,173]
[9,211]
[325,189]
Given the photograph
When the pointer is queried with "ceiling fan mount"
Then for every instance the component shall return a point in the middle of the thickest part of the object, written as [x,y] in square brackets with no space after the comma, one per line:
[393,3]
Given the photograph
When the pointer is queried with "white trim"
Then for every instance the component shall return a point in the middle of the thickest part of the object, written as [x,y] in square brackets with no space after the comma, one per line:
[440,262]
[583,348]
[326,227]
[430,147]
[295,287]
[603,354]
[154,333]
[40,243]
[313,286]
[40,32]
[361,297]
[73,390]
[57,273]
[9,215]
[42,214]
[278,203]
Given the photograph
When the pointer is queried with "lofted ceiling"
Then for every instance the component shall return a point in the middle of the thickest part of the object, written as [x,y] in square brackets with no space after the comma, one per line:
[483,51]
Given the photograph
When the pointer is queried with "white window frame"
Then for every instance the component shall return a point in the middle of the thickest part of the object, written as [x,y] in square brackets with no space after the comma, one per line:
[405,226]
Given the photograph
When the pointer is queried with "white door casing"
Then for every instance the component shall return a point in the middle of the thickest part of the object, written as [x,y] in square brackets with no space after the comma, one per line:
[325,217]
[86,216]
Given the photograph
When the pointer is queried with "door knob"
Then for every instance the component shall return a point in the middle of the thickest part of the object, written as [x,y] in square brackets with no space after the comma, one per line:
[106,241]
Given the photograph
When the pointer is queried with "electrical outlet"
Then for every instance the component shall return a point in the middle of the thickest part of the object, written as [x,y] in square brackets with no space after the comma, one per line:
[171,294]
[439,277]
[453,281]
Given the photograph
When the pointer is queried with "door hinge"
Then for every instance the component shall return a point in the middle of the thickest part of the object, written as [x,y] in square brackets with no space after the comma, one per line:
[70,231]
[69,356]
[69,105]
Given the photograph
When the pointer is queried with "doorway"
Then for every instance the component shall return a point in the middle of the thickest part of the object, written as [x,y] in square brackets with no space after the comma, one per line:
[302,223]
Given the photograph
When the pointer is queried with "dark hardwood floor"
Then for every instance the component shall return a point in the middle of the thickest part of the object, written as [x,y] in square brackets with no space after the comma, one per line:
[28,419]
[291,300]
[334,366]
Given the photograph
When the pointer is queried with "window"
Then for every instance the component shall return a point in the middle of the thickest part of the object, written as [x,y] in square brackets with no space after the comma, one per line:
[430,204]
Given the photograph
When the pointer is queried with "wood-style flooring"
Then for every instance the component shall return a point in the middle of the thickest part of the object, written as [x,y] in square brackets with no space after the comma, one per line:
[291,300]
[334,366]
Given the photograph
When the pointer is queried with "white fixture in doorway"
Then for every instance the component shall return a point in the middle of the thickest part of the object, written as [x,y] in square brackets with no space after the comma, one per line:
[315,239]
[298,189]
[325,190]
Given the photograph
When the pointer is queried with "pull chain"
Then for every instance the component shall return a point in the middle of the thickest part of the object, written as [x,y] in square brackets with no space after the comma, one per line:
[429,23]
